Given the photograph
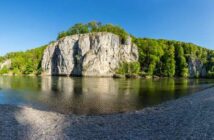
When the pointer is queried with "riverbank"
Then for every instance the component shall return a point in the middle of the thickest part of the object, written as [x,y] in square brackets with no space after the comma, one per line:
[189,117]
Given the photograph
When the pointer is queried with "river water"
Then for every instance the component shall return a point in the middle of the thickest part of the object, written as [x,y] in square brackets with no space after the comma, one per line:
[94,95]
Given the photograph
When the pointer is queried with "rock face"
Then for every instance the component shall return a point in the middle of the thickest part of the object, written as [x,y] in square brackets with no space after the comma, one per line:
[5,64]
[196,68]
[92,54]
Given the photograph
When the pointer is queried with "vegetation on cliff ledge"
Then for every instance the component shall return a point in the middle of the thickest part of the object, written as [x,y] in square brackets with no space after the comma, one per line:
[91,27]
[166,58]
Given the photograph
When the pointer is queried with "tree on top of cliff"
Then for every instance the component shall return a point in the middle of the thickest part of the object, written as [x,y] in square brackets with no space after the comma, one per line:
[90,27]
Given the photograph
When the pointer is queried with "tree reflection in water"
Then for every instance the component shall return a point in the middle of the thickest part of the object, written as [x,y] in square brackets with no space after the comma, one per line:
[94,95]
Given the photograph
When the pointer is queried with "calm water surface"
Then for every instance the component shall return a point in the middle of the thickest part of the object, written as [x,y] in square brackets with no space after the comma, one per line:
[94,95]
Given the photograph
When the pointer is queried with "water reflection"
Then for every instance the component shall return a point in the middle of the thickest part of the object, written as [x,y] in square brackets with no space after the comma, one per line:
[94,95]
[90,95]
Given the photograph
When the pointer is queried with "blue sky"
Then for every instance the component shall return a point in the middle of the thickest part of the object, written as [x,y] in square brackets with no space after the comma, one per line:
[26,24]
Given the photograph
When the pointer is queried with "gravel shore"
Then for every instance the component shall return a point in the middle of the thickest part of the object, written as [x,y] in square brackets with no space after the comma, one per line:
[190,117]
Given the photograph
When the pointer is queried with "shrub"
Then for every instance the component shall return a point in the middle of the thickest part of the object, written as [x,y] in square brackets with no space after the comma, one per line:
[129,68]
[4,70]
[210,74]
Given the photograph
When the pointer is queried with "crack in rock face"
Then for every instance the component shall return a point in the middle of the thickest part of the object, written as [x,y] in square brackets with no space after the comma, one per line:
[92,54]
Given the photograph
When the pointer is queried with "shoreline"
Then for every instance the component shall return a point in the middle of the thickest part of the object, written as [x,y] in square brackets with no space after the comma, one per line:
[154,77]
[189,117]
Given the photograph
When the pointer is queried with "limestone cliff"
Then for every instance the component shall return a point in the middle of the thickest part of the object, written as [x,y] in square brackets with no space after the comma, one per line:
[5,64]
[196,68]
[92,54]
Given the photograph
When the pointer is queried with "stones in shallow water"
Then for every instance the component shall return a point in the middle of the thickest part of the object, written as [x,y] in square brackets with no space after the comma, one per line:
[134,76]
[156,77]
[119,76]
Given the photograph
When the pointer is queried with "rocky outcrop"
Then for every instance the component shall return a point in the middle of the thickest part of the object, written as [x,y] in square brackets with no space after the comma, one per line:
[92,54]
[196,68]
[5,64]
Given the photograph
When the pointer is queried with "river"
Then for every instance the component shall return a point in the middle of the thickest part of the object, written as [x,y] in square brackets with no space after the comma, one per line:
[91,96]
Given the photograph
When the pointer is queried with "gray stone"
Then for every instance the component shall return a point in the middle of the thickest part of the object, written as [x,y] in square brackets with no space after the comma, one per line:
[92,54]
[6,64]
[196,68]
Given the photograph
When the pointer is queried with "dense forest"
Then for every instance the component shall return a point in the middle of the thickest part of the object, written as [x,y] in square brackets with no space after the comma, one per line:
[171,58]
[165,58]
[28,62]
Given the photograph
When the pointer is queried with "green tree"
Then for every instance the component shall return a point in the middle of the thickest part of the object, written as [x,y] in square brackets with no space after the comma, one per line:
[78,29]
[95,27]
[168,62]
[25,62]
[181,64]
[150,52]
[4,70]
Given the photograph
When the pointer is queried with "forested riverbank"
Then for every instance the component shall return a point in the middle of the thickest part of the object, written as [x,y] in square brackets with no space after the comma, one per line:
[160,57]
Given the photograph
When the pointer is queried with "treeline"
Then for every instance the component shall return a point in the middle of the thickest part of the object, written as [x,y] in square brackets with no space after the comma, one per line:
[91,27]
[172,58]
[28,62]
[165,58]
